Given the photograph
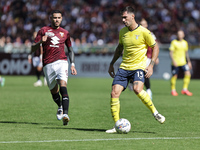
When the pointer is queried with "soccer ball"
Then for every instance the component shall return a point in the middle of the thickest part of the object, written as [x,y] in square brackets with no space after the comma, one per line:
[166,76]
[123,126]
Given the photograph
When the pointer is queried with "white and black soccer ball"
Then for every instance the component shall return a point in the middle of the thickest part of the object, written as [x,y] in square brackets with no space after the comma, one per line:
[123,126]
[166,76]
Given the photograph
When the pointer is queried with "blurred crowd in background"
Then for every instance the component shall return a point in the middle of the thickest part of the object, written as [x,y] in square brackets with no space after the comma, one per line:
[96,22]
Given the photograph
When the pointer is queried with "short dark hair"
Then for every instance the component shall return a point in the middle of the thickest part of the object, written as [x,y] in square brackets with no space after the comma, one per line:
[129,9]
[55,11]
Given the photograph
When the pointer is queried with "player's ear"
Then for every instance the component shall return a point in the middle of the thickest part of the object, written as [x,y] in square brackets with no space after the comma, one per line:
[133,15]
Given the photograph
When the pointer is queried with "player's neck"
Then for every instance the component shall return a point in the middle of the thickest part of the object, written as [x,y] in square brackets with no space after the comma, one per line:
[133,27]
[54,27]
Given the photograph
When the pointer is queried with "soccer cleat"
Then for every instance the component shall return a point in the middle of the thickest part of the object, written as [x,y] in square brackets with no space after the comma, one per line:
[65,119]
[113,130]
[38,83]
[160,118]
[174,93]
[59,113]
[186,92]
[150,93]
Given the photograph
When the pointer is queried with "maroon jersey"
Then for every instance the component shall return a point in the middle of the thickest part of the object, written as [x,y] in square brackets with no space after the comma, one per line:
[149,52]
[53,48]
[149,49]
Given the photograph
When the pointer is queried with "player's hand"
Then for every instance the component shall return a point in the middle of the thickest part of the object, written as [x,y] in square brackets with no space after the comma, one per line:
[111,71]
[44,39]
[149,71]
[73,70]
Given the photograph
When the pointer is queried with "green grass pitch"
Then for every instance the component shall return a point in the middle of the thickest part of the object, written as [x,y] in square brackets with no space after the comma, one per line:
[28,117]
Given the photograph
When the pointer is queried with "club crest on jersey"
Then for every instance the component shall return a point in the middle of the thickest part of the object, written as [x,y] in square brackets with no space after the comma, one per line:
[137,37]
[61,34]
[50,34]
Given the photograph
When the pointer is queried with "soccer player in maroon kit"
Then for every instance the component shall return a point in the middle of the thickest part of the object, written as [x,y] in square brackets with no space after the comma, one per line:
[55,65]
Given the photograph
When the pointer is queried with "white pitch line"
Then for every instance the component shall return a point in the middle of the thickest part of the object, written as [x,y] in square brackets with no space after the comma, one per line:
[112,139]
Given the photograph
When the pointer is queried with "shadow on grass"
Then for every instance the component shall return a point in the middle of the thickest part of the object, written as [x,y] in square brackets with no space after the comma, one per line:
[79,129]
[98,130]
[15,122]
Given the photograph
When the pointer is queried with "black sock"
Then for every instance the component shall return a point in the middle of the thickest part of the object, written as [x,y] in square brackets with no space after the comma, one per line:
[65,99]
[38,74]
[56,98]
[147,83]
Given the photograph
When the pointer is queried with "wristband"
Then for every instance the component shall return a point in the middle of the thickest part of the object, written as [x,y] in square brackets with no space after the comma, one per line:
[73,64]
[29,56]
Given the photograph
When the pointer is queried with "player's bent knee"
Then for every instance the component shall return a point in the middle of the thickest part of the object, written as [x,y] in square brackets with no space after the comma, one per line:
[62,83]
[116,91]
[175,75]
[187,73]
[55,89]
[115,94]
[137,90]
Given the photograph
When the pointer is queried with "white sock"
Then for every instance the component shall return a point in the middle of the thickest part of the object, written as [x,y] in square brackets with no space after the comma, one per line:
[155,113]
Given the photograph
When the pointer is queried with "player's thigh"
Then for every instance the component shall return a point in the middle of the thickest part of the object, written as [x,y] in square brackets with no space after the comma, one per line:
[138,78]
[186,69]
[121,78]
[174,70]
[50,76]
[62,72]
[36,61]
